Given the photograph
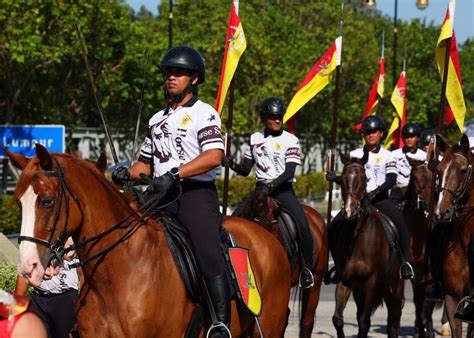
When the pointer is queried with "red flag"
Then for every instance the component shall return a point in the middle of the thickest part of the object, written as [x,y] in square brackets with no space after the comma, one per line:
[318,78]
[235,46]
[376,94]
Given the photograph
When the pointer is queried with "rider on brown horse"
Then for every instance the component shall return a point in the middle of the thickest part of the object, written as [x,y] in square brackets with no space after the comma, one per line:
[276,153]
[381,171]
[410,135]
[183,146]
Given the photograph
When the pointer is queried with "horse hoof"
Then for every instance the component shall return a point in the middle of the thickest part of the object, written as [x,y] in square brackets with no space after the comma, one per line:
[445,330]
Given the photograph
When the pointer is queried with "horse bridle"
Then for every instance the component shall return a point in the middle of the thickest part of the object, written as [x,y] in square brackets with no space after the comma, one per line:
[56,248]
[358,209]
[458,195]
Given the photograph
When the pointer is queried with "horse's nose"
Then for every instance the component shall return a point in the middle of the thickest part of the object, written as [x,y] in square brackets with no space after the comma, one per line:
[443,215]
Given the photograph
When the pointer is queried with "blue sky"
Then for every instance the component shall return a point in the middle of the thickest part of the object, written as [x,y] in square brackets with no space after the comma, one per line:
[463,21]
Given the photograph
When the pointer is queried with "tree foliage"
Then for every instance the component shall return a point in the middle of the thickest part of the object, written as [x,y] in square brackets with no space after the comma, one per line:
[44,80]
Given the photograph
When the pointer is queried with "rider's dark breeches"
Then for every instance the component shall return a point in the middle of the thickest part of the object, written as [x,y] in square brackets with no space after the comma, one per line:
[390,209]
[198,211]
[286,196]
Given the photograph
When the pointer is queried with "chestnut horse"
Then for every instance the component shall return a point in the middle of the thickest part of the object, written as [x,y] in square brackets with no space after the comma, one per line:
[364,260]
[132,286]
[264,210]
[416,216]
[456,206]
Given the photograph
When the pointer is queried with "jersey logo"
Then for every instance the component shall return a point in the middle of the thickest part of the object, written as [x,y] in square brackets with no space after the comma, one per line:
[212,118]
[277,147]
[185,120]
[378,160]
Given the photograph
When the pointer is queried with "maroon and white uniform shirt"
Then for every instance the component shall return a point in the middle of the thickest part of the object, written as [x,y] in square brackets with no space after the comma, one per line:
[176,137]
[271,153]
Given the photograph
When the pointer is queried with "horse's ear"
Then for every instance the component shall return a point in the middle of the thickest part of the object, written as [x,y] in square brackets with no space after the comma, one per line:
[101,163]
[46,161]
[464,143]
[364,158]
[344,158]
[414,163]
[441,144]
[18,160]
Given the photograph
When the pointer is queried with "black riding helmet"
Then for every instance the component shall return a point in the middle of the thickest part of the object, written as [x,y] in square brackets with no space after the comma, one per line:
[426,136]
[185,57]
[411,129]
[272,106]
[373,122]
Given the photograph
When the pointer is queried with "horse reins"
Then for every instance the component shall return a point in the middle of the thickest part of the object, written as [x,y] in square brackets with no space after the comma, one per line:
[458,195]
[57,250]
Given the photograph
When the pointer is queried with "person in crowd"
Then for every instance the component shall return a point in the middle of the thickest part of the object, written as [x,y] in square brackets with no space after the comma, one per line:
[184,146]
[425,138]
[275,154]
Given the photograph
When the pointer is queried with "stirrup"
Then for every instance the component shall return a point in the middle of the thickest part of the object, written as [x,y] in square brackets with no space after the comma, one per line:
[305,269]
[217,325]
[411,270]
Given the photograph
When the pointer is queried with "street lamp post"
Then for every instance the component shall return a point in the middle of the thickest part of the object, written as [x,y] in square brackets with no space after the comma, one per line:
[170,25]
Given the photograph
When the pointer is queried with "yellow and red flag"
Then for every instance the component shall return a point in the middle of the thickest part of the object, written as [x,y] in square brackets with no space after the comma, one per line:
[235,46]
[376,93]
[456,108]
[399,101]
[248,291]
[318,78]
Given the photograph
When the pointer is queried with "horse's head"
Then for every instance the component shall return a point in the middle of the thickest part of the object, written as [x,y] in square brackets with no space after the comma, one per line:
[420,180]
[50,213]
[455,178]
[354,184]
[261,209]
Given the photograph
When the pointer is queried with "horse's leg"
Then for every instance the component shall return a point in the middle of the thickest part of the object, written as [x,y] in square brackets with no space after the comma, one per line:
[309,303]
[456,325]
[342,296]
[366,297]
[427,319]
[394,301]
[421,317]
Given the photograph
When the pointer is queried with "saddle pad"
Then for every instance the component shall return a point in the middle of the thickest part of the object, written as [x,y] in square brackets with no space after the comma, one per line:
[247,290]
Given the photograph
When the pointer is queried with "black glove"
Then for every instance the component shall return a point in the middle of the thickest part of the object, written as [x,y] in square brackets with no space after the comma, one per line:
[228,162]
[433,164]
[264,187]
[162,183]
[330,176]
[120,175]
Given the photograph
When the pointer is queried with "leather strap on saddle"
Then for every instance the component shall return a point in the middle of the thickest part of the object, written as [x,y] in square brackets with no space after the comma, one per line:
[392,235]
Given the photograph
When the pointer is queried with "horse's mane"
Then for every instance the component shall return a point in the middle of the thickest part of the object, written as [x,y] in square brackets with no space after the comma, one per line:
[261,213]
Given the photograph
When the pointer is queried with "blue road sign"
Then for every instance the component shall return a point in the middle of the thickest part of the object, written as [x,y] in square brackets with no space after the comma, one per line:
[22,139]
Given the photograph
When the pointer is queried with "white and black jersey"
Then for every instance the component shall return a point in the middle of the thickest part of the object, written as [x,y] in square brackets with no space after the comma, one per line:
[403,167]
[271,153]
[380,164]
[176,137]
[65,280]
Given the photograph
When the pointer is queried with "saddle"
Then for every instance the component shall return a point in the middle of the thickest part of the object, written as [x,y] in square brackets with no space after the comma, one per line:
[290,234]
[392,235]
[238,270]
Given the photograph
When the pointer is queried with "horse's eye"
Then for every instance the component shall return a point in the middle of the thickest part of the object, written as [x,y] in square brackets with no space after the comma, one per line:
[47,202]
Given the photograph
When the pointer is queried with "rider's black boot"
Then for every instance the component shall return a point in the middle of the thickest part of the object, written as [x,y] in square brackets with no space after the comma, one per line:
[467,313]
[218,287]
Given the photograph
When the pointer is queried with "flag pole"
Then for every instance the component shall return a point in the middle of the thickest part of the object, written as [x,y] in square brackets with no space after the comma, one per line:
[442,110]
[332,149]
[382,56]
[228,141]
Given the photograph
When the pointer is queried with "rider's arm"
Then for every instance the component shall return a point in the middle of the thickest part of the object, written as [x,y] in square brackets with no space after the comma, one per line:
[139,168]
[206,161]
[244,167]
[289,172]
[390,180]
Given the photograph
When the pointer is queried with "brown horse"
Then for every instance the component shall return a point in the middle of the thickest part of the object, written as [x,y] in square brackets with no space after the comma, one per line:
[266,211]
[132,286]
[364,261]
[415,214]
[456,206]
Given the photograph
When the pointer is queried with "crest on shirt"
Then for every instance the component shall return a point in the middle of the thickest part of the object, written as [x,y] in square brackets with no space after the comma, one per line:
[185,120]
[277,147]
[378,160]
[212,118]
